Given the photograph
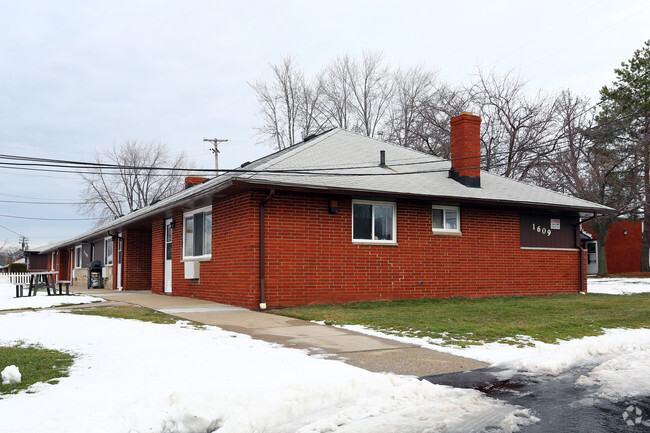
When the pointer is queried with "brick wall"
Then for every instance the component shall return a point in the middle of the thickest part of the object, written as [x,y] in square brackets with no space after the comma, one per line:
[136,263]
[158,253]
[623,247]
[231,276]
[310,257]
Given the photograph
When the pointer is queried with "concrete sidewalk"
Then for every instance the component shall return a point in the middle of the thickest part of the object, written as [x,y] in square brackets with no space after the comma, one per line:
[370,353]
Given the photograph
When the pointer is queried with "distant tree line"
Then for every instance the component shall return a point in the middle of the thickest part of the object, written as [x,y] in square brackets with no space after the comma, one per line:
[598,152]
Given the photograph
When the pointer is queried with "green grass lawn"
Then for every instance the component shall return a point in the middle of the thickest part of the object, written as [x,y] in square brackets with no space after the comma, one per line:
[134,313]
[35,364]
[463,321]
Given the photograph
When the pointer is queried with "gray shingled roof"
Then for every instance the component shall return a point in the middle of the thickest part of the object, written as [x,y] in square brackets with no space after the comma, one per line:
[343,161]
[428,174]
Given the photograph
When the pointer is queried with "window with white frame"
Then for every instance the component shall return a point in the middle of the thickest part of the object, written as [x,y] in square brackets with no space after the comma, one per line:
[197,233]
[108,251]
[446,219]
[77,256]
[374,221]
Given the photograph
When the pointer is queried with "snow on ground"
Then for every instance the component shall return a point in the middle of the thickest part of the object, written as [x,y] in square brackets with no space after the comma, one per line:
[619,358]
[132,376]
[618,286]
[8,301]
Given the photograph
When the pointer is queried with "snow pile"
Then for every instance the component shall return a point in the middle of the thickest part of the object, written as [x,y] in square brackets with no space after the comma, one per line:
[10,375]
[618,286]
[555,359]
[621,377]
[8,301]
[136,376]
[619,359]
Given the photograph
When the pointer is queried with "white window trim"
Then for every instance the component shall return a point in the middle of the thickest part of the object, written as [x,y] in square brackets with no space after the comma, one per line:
[78,256]
[203,257]
[106,241]
[444,230]
[373,241]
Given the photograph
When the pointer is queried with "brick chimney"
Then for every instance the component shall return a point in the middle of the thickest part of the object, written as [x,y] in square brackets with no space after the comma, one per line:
[466,149]
[194,180]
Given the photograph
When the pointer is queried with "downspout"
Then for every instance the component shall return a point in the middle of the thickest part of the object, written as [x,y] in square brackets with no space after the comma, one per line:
[582,254]
[262,243]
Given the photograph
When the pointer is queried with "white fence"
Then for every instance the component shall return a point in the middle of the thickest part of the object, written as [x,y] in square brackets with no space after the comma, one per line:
[21,278]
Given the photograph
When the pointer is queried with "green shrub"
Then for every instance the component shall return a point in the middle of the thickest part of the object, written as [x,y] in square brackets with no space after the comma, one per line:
[17,268]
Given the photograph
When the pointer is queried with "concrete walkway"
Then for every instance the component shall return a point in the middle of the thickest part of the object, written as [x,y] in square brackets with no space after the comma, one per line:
[370,353]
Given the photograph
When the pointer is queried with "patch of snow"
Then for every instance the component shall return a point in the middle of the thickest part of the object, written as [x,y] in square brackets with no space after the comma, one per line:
[618,286]
[10,375]
[618,359]
[620,377]
[8,301]
[131,376]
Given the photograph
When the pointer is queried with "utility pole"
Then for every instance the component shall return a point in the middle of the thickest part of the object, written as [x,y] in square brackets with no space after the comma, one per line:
[215,150]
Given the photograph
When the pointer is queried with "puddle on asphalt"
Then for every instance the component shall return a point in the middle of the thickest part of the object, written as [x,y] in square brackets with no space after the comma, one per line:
[561,405]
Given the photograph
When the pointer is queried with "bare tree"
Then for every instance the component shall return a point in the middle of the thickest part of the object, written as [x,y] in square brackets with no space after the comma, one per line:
[517,130]
[336,104]
[434,113]
[310,100]
[131,176]
[412,88]
[371,88]
[287,104]
[9,253]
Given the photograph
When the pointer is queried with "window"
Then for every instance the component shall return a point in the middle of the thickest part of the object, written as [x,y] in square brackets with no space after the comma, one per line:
[374,222]
[197,233]
[446,219]
[108,251]
[77,256]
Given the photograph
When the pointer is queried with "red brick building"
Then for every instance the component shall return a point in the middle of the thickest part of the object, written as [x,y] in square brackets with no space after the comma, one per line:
[343,217]
[623,246]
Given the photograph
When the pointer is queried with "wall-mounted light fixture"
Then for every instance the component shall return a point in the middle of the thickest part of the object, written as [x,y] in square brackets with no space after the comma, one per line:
[624,232]
[172,224]
[333,206]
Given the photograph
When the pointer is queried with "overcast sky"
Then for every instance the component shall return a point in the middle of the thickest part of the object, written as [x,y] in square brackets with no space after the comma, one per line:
[80,76]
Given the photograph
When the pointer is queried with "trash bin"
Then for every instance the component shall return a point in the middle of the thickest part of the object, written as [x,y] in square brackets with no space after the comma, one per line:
[95,275]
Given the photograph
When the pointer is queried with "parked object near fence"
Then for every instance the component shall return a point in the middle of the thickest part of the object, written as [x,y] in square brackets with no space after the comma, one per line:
[34,281]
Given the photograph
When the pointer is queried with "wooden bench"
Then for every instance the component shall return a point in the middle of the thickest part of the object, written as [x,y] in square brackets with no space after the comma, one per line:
[67,286]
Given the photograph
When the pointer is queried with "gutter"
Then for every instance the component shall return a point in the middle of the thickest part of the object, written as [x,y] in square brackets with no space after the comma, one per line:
[262,244]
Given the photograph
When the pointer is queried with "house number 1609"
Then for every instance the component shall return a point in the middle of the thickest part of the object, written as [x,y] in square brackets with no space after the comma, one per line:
[542,230]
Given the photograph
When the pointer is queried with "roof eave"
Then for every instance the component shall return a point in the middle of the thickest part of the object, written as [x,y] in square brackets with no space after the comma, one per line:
[288,186]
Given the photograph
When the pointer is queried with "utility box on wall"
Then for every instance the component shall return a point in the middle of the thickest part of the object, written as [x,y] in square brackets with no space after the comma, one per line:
[192,270]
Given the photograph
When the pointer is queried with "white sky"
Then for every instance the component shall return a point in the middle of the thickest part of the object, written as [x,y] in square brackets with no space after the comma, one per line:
[76,77]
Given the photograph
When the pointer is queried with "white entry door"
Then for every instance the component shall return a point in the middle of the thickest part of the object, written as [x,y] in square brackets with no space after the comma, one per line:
[120,247]
[168,255]
[592,257]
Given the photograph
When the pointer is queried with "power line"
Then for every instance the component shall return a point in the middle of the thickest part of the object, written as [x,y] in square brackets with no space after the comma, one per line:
[8,229]
[48,219]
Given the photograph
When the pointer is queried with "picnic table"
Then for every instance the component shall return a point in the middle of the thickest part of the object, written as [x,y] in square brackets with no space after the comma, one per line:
[39,280]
